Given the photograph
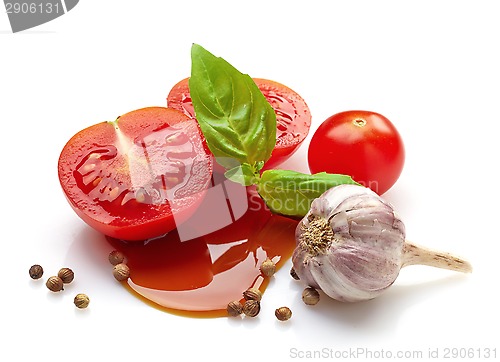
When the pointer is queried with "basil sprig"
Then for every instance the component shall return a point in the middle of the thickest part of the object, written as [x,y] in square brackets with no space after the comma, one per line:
[290,193]
[235,117]
[239,125]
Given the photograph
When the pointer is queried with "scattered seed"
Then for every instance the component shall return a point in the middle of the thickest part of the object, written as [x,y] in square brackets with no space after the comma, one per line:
[251,308]
[268,268]
[310,296]
[234,308]
[294,275]
[116,257]
[121,272]
[283,313]
[81,301]
[54,284]
[252,294]
[36,271]
[66,275]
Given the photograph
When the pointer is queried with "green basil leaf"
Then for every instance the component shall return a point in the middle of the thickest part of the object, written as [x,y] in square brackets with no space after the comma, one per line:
[291,193]
[236,119]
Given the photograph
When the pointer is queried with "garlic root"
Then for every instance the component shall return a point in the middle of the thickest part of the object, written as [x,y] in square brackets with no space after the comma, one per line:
[419,255]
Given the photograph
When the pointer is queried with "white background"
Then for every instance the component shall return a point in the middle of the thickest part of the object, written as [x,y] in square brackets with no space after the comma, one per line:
[432,67]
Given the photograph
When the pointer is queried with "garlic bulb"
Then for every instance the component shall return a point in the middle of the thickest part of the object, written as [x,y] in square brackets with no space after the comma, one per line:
[351,245]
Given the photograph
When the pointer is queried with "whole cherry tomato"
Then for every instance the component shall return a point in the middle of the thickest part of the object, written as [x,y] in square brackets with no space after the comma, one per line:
[293,118]
[139,176]
[362,144]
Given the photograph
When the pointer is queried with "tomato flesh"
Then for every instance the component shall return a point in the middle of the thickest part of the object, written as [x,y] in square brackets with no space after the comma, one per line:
[362,144]
[137,177]
[293,118]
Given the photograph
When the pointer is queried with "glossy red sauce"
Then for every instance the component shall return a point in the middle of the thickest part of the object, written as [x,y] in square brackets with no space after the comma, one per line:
[200,276]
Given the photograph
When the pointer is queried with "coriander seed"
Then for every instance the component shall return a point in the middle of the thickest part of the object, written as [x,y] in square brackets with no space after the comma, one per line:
[54,284]
[268,268]
[66,275]
[116,257]
[251,308]
[283,313]
[81,301]
[234,308]
[293,274]
[36,271]
[310,296]
[121,272]
[252,294]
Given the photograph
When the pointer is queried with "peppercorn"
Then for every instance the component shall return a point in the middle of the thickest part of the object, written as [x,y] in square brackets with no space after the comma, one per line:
[283,313]
[251,308]
[36,271]
[55,284]
[81,301]
[310,296]
[234,308]
[268,268]
[116,257]
[66,275]
[252,294]
[293,274]
[121,272]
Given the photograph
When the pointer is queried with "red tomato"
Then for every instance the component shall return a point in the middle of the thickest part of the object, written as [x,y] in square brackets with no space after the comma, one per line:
[292,115]
[362,144]
[139,176]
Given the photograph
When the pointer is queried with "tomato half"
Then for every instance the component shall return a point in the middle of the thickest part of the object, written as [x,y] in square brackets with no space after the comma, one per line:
[293,117]
[137,177]
[362,144]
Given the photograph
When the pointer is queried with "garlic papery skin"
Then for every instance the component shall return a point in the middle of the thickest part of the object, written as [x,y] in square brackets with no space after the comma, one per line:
[351,245]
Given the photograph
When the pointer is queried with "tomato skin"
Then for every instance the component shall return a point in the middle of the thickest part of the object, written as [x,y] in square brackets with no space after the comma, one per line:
[293,116]
[362,144]
[293,119]
[131,179]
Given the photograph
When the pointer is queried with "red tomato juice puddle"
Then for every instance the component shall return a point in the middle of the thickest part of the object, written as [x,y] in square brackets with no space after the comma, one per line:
[200,276]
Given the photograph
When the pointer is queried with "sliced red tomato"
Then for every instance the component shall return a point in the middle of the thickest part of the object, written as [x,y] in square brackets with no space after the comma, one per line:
[139,176]
[293,117]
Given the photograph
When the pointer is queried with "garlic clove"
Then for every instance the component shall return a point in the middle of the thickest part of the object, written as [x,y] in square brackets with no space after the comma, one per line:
[332,198]
[302,266]
[338,285]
